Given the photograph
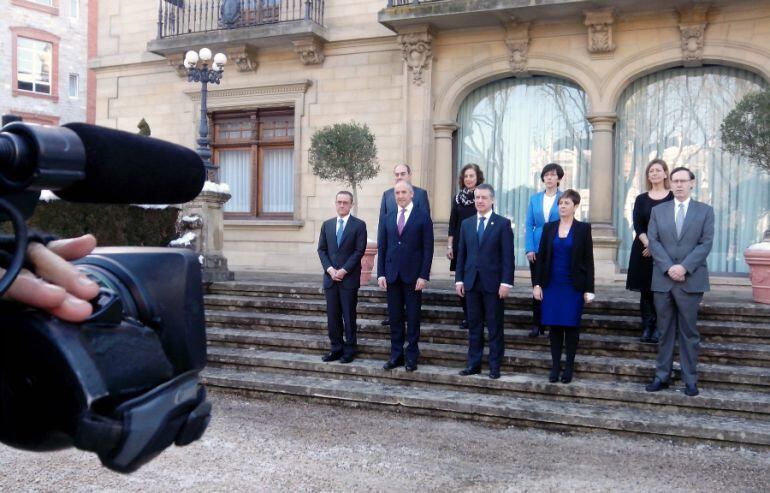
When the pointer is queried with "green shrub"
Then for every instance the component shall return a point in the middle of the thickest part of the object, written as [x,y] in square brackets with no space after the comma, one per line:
[113,225]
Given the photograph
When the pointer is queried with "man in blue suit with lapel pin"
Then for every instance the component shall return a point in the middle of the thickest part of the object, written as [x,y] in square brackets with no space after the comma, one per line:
[405,255]
[340,248]
[402,172]
[485,263]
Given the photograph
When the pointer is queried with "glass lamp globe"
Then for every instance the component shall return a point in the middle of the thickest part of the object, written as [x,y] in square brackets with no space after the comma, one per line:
[220,59]
[205,54]
[190,58]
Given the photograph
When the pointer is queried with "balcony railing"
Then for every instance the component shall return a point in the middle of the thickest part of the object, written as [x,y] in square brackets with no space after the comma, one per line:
[401,3]
[178,17]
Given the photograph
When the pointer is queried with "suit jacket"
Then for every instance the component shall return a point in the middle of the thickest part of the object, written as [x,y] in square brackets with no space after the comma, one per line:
[690,250]
[490,262]
[409,255]
[345,256]
[536,220]
[388,202]
[582,270]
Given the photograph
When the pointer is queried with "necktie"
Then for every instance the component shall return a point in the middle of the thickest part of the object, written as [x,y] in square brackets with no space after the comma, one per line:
[480,230]
[401,221]
[339,231]
[679,220]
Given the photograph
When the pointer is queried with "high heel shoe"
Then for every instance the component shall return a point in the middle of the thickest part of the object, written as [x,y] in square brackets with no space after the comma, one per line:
[553,376]
[566,377]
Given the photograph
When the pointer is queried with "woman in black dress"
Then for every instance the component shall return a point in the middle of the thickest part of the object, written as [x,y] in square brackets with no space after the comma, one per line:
[640,261]
[463,207]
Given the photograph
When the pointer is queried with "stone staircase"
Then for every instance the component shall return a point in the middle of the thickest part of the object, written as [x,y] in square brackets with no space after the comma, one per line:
[268,337]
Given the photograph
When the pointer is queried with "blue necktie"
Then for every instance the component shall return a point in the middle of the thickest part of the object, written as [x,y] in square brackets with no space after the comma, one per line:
[339,231]
[480,230]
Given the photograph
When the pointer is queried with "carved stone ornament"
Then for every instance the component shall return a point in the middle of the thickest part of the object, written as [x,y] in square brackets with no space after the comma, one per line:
[599,24]
[517,41]
[310,50]
[693,38]
[418,53]
[177,61]
[244,58]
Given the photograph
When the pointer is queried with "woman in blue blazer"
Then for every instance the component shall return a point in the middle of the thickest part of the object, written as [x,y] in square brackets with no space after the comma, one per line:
[547,200]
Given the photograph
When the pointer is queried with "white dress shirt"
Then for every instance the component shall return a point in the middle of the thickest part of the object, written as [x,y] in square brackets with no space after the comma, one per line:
[547,205]
[676,208]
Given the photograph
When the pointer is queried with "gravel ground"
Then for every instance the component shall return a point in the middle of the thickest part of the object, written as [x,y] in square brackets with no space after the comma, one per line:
[276,444]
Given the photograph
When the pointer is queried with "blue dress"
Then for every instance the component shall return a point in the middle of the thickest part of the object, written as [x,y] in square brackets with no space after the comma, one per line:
[562,303]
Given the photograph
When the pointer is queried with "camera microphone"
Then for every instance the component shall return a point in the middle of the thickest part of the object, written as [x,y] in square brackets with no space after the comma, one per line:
[88,163]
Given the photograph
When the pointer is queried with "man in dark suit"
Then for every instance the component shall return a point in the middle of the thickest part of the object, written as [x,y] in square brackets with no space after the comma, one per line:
[405,255]
[340,248]
[485,263]
[681,233]
[402,172]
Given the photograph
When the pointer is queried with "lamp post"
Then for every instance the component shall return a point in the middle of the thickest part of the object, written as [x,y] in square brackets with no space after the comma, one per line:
[199,71]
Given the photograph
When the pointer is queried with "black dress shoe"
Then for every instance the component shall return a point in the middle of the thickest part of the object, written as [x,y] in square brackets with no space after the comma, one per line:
[348,358]
[691,390]
[535,331]
[385,322]
[470,371]
[393,364]
[656,385]
[411,366]
[331,357]
[553,376]
[494,374]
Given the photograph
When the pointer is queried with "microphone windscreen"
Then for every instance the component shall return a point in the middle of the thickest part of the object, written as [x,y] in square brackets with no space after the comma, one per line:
[126,168]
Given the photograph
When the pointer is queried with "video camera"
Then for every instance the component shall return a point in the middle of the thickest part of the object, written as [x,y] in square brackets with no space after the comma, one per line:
[124,383]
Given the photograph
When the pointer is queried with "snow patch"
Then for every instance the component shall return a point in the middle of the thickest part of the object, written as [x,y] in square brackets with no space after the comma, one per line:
[763,246]
[184,241]
[210,186]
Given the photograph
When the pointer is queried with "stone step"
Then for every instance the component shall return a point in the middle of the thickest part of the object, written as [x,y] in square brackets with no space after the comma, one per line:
[506,409]
[610,300]
[594,344]
[515,360]
[711,330]
[752,405]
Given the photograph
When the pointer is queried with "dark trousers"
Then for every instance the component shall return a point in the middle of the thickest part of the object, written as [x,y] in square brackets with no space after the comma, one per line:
[404,304]
[677,320]
[561,337]
[536,304]
[341,318]
[486,307]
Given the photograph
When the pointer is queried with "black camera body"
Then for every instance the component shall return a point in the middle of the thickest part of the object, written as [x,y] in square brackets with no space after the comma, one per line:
[125,382]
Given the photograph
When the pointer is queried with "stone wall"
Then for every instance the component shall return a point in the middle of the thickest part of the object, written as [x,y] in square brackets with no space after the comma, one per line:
[412,109]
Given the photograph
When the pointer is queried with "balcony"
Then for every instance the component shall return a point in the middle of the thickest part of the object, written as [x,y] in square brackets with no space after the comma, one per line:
[218,24]
[456,14]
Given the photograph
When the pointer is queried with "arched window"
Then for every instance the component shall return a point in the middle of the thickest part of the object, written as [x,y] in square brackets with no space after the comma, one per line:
[514,127]
[675,115]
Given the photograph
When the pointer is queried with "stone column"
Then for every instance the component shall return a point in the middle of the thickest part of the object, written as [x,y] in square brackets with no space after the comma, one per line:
[443,171]
[204,217]
[600,201]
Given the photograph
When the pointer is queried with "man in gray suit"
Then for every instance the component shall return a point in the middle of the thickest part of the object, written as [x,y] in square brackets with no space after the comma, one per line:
[681,232]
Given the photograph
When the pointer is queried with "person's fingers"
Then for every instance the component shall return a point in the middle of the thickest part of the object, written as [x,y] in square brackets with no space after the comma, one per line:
[58,271]
[73,248]
[73,309]
[35,292]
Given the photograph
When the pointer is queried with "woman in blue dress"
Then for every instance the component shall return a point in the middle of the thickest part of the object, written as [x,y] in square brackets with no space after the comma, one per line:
[564,281]
[543,207]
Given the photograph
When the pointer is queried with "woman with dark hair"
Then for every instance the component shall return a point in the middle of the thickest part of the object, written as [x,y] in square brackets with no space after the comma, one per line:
[564,281]
[543,208]
[463,207]
[640,261]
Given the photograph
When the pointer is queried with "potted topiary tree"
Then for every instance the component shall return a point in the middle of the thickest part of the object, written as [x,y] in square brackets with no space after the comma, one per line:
[346,153]
[746,132]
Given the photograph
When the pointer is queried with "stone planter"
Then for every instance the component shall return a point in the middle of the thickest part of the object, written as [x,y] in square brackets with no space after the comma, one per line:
[367,261]
[758,258]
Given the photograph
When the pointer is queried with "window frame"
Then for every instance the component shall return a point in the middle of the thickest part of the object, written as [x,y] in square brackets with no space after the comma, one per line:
[52,9]
[44,37]
[256,145]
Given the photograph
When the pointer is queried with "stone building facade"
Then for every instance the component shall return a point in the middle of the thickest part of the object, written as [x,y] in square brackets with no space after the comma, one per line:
[601,87]
[46,45]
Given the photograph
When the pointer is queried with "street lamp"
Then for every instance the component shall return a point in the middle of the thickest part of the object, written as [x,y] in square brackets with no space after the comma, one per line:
[200,72]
